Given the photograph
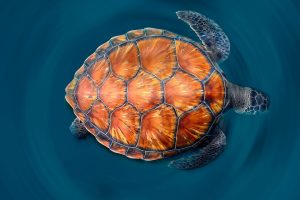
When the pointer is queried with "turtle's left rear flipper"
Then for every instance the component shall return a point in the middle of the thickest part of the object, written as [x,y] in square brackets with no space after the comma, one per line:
[202,156]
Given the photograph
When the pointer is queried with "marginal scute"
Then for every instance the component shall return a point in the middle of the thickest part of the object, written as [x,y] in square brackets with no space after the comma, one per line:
[135,153]
[118,148]
[193,126]
[113,92]
[70,100]
[90,128]
[169,34]
[134,34]
[86,93]
[170,153]
[79,72]
[90,59]
[125,123]
[118,39]
[99,116]
[183,92]
[80,115]
[144,91]
[158,129]
[102,48]
[104,140]
[153,31]
[70,93]
[191,59]
[215,92]
[152,155]
[158,56]
[99,71]
[124,60]
[70,87]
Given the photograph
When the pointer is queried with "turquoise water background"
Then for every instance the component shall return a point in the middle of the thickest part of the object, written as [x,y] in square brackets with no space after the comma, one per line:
[44,42]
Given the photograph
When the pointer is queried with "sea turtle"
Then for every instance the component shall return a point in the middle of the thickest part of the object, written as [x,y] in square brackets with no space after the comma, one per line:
[150,94]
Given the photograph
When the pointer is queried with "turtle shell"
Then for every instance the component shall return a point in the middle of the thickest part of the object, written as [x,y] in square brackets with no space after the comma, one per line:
[148,94]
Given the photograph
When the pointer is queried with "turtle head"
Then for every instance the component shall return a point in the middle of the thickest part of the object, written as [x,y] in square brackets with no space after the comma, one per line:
[247,100]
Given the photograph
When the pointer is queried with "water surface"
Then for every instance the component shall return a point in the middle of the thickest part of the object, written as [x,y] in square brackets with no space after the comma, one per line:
[44,42]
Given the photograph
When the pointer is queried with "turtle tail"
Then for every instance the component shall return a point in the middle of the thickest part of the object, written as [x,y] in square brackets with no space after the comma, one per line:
[246,100]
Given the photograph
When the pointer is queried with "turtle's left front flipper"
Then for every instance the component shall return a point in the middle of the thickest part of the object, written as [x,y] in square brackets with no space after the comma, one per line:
[209,33]
[202,156]
[77,129]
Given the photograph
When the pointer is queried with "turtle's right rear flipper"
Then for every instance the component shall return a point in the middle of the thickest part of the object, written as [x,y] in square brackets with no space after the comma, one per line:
[202,156]
[246,100]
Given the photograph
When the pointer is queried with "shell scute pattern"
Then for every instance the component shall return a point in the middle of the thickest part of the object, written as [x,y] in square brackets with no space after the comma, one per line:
[147,94]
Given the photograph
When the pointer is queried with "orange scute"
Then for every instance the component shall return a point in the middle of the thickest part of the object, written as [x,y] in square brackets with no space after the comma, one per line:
[153,31]
[103,140]
[118,148]
[215,92]
[118,39]
[99,116]
[183,91]
[91,128]
[99,71]
[158,56]
[86,93]
[135,34]
[113,92]
[70,87]
[103,47]
[153,156]
[169,34]
[192,60]
[70,93]
[124,61]
[170,153]
[91,58]
[125,122]
[192,126]
[70,100]
[80,115]
[79,72]
[135,154]
[144,91]
[158,128]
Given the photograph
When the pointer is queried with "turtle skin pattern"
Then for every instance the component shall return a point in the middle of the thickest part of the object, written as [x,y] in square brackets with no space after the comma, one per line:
[148,94]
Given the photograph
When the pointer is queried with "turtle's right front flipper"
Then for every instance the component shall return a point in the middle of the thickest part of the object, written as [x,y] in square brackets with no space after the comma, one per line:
[246,100]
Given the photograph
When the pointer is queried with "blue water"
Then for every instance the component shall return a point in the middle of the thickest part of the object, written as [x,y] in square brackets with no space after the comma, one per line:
[44,42]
